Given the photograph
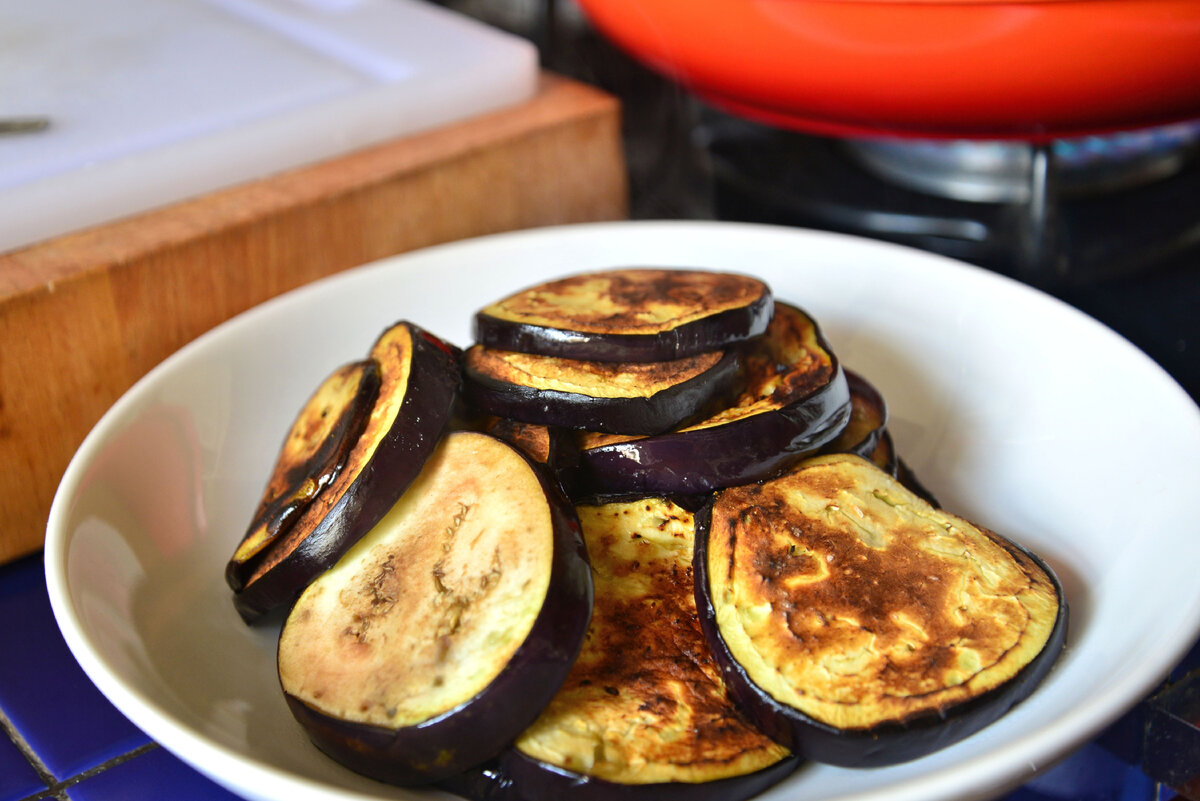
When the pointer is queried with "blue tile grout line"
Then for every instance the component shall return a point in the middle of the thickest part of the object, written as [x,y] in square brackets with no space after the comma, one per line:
[26,751]
[55,788]
[58,789]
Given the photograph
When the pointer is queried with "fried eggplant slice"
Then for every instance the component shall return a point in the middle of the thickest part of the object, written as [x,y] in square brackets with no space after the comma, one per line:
[860,626]
[628,315]
[866,435]
[644,712]
[313,453]
[447,628]
[418,383]
[794,401]
[550,446]
[626,397]
[867,423]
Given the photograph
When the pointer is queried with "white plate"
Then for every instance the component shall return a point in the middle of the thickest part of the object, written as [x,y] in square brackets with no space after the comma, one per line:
[1016,410]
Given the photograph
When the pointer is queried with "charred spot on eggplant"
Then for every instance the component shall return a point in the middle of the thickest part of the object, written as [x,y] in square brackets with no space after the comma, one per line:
[444,631]
[628,397]
[313,453]
[861,626]
[419,380]
[644,707]
[794,399]
[550,446]
[534,440]
[628,315]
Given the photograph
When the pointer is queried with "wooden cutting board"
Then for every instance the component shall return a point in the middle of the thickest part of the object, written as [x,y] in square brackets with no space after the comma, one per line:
[83,316]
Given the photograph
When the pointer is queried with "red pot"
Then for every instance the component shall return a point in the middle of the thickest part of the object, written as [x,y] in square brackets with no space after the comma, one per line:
[1030,69]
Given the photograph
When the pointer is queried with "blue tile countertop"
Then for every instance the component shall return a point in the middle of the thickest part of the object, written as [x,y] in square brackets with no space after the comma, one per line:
[66,741]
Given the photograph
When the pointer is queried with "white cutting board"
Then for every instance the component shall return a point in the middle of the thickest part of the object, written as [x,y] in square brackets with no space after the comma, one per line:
[154,101]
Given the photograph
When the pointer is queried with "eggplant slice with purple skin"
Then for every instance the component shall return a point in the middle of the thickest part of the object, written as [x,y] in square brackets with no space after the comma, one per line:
[794,401]
[313,453]
[446,629]
[549,446]
[419,380]
[866,435]
[644,713]
[867,423]
[629,315]
[619,397]
[860,626]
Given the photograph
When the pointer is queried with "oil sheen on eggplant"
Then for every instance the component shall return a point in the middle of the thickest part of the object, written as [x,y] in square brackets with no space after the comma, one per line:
[628,315]
[860,625]
[418,385]
[447,628]
[644,712]
[313,453]
[623,397]
[793,401]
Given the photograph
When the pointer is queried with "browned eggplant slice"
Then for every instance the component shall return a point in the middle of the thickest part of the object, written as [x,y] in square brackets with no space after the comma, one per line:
[313,453]
[795,400]
[443,632]
[629,315]
[550,446]
[867,436]
[644,712]
[861,626]
[868,419]
[419,381]
[628,398]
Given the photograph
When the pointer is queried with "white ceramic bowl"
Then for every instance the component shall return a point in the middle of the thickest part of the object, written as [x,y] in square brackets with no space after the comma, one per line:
[1017,411]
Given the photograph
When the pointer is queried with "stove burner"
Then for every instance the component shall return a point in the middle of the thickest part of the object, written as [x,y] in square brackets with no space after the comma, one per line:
[1002,171]
[1072,212]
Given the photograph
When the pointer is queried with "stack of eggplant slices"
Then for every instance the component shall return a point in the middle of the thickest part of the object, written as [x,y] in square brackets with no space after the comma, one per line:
[645,539]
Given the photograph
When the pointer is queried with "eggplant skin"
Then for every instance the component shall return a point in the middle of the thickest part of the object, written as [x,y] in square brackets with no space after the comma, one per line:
[522,778]
[892,741]
[513,776]
[795,401]
[630,315]
[476,730]
[551,446]
[868,419]
[905,475]
[705,459]
[674,402]
[313,454]
[386,458]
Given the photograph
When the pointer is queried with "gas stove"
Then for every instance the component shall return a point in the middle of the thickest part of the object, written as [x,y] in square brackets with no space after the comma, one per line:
[1065,213]
[1110,224]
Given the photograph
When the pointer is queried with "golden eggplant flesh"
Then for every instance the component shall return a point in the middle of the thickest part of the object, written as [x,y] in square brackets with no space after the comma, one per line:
[863,626]
[447,627]
[418,386]
[619,397]
[644,705]
[792,400]
[313,453]
[628,315]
